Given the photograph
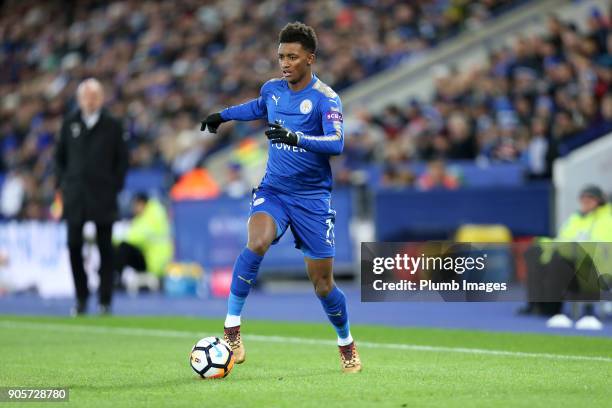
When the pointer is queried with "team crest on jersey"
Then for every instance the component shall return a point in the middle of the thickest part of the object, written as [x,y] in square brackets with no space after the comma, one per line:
[75,129]
[306,106]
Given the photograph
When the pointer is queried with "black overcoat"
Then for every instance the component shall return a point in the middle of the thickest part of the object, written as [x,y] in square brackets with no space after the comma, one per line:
[90,167]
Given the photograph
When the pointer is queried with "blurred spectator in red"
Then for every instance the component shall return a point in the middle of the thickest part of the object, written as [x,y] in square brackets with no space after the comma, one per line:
[437,177]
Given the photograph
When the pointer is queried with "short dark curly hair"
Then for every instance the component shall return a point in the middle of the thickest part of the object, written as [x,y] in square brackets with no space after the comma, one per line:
[297,32]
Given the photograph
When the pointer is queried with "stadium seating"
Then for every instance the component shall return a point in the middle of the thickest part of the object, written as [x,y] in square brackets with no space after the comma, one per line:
[164,64]
[536,98]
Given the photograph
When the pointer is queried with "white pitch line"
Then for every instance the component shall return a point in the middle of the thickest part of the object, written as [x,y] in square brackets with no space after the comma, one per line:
[129,331]
[416,347]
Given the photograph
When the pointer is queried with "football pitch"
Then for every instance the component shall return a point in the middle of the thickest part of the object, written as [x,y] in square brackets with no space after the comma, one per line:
[137,361]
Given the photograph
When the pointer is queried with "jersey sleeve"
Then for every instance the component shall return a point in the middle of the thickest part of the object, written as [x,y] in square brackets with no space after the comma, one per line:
[332,140]
[251,110]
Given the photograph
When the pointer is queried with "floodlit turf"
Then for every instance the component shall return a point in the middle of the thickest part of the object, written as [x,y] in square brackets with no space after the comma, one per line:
[133,361]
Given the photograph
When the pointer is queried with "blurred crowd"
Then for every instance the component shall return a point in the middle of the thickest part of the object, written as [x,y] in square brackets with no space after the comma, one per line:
[531,97]
[164,64]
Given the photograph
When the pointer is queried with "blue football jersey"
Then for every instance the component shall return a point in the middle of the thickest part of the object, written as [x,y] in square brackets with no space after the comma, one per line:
[315,113]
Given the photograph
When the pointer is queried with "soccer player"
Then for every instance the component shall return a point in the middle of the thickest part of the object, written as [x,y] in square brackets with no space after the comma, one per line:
[305,129]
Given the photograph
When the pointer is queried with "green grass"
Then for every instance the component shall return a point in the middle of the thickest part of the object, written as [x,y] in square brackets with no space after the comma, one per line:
[111,362]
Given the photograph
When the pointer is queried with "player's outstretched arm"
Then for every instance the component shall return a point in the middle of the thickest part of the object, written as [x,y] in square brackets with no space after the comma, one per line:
[212,121]
[251,110]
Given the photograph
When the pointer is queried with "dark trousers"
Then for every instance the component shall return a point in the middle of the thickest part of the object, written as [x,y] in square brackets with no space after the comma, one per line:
[75,246]
[129,255]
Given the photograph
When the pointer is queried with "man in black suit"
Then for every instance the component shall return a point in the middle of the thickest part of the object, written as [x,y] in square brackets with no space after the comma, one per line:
[91,161]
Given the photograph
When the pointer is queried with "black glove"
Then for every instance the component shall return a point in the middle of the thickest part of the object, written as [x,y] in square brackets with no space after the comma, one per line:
[280,134]
[213,121]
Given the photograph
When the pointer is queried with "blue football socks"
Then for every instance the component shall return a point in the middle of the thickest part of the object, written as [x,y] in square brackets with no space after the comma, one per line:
[334,305]
[243,278]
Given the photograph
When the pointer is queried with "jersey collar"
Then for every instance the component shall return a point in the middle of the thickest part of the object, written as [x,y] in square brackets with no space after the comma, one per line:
[309,86]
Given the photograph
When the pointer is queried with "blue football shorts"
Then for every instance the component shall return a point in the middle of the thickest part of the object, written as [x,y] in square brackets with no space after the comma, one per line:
[311,220]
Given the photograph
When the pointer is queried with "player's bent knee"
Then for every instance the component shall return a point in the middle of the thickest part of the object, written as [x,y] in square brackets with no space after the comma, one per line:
[262,232]
[323,287]
[259,245]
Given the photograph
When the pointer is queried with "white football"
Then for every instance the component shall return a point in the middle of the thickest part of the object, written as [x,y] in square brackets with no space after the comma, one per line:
[211,357]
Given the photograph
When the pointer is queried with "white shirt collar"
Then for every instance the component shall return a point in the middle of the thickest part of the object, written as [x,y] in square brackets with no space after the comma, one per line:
[91,120]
